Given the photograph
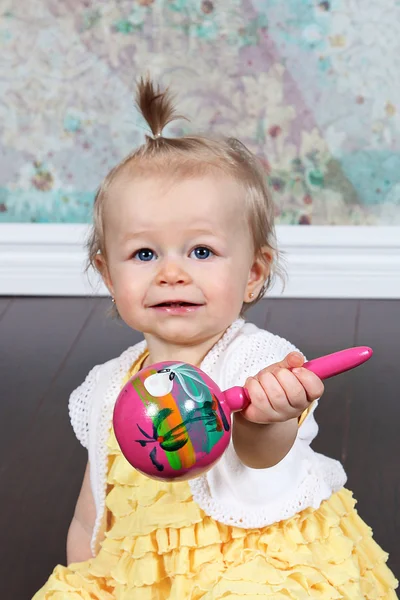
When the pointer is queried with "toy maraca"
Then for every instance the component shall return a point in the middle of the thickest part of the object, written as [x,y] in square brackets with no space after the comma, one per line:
[173,422]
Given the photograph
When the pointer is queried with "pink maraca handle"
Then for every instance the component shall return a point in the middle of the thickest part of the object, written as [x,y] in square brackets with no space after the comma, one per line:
[325,367]
[339,362]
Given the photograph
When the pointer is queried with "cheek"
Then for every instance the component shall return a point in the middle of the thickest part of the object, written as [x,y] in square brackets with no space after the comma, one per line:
[128,283]
[227,281]
[130,290]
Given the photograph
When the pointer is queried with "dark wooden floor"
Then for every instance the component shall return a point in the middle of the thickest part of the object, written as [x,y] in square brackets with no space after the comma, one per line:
[47,346]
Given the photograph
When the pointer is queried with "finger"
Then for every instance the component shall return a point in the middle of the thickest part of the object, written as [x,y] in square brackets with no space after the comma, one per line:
[292,360]
[277,397]
[311,383]
[293,388]
[259,402]
[285,391]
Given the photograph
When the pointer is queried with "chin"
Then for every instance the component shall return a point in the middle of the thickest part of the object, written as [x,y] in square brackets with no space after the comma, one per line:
[177,332]
[181,335]
[190,333]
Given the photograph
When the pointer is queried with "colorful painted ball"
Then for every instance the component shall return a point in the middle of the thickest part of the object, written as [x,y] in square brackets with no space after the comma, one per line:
[171,421]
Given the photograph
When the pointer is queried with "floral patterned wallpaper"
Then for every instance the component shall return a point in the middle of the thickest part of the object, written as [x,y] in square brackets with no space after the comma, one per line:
[312,87]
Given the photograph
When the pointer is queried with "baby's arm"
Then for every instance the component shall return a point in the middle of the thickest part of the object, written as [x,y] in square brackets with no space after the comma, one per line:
[82,524]
[266,430]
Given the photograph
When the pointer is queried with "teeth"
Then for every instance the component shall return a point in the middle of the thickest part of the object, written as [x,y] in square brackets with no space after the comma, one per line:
[176,303]
[172,304]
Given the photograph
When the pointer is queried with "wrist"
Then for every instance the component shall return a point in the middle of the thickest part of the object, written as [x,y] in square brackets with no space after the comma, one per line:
[262,445]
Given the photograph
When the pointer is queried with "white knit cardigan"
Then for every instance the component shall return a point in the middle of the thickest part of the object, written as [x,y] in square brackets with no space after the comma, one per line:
[229,492]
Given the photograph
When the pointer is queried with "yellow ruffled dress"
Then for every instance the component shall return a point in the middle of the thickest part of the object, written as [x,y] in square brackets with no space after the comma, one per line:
[159,545]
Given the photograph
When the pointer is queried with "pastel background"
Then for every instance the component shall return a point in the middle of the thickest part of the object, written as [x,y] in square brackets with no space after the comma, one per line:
[312,87]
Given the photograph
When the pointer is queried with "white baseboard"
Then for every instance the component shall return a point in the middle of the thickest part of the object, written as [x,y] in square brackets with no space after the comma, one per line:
[321,262]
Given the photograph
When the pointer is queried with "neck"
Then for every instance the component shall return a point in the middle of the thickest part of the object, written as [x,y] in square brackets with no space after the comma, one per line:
[161,350]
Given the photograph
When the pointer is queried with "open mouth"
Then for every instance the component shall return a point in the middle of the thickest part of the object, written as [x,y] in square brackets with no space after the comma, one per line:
[174,304]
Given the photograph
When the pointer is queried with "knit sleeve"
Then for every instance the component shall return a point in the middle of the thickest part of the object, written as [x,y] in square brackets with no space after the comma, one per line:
[237,495]
[79,406]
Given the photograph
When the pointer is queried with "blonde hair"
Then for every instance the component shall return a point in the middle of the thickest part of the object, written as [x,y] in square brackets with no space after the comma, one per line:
[188,156]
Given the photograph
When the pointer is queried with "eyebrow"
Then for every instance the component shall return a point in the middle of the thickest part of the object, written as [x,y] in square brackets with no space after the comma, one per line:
[195,232]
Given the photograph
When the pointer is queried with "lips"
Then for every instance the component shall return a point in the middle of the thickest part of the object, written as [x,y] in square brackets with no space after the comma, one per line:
[174,303]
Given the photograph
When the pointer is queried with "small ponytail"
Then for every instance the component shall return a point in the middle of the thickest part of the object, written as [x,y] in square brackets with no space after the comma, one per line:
[156,106]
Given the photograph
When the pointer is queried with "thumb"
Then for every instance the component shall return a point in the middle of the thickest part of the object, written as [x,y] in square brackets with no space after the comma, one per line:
[291,360]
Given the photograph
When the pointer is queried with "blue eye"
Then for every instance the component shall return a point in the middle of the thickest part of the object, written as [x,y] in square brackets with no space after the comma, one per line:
[202,253]
[144,254]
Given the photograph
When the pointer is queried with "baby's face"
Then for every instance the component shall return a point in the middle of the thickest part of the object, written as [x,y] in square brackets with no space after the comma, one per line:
[179,255]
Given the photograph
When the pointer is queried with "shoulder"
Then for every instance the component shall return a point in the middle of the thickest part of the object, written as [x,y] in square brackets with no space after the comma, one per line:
[93,391]
[251,350]
[254,337]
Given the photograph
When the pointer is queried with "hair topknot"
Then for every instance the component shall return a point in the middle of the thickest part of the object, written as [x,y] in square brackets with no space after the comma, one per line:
[155,105]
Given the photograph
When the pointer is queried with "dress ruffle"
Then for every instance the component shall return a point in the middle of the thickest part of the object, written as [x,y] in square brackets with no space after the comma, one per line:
[160,545]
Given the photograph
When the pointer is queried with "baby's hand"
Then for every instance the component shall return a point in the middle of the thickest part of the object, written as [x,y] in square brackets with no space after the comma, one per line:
[282,391]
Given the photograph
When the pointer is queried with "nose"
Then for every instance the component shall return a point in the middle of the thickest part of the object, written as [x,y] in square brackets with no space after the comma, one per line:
[172,273]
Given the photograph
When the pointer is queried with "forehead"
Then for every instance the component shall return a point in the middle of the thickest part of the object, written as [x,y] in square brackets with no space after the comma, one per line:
[151,202]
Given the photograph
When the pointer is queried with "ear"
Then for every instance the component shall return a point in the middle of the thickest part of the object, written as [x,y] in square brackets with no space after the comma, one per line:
[258,273]
[102,267]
